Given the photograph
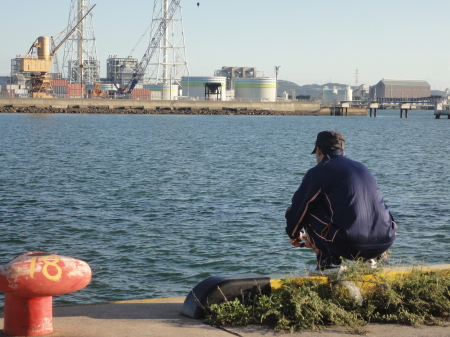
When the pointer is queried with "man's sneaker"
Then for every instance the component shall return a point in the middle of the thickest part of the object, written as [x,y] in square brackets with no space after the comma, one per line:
[371,264]
[329,270]
[383,258]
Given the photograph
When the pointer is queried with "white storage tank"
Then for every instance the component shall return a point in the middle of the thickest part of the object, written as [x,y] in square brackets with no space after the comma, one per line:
[329,95]
[345,94]
[256,89]
[163,91]
[194,86]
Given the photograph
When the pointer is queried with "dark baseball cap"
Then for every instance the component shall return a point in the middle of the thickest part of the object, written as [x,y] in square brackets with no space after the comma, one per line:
[329,138]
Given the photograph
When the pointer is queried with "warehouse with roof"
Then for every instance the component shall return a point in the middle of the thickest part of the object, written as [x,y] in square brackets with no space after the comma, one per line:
[403,89]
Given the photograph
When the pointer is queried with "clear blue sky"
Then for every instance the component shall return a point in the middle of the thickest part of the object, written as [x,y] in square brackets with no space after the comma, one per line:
[313,41]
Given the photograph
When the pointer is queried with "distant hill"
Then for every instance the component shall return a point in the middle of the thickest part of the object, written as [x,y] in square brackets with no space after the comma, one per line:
[304,90]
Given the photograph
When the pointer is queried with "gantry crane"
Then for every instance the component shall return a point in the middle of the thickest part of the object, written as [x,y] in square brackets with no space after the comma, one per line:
[141,69]
[40,66]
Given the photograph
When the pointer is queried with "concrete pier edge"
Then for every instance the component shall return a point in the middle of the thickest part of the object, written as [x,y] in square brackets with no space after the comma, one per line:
[176,107]
[160,317]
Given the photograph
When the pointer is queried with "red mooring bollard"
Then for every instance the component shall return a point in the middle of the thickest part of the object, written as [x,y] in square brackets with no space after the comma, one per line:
[29,281]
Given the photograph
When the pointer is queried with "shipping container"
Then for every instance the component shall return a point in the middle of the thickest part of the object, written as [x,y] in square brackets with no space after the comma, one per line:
[76,90]
[59,83]
[60,91]
[141,94]
[7,94]
[5,87]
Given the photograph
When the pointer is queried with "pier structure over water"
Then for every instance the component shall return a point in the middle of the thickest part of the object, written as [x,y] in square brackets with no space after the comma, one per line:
[374,107]
[439,113]
[441,106]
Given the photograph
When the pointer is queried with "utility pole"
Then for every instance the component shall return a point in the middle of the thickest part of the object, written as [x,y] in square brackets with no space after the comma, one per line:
[277,69]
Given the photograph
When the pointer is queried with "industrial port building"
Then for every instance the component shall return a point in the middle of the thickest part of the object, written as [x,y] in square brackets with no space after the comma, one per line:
[403,89]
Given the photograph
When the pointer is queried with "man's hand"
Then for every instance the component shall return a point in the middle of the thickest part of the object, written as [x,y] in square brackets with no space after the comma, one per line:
[308,244]
[296,242]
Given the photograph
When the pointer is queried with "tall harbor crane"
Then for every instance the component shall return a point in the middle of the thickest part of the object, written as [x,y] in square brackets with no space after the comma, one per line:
[153,47]
[40,65]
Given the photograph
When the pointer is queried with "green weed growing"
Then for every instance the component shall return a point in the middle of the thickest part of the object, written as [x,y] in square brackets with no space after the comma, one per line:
[415,298]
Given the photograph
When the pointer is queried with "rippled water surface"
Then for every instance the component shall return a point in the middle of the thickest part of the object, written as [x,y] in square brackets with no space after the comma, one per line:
[156,204]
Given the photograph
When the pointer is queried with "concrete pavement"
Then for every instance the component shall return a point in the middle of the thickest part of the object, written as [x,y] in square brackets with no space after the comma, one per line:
[161,318]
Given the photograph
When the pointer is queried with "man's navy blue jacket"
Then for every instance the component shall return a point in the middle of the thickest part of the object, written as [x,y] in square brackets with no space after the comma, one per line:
[339,199]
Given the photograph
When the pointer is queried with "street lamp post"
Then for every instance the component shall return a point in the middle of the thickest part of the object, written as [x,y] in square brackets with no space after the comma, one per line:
[277,69]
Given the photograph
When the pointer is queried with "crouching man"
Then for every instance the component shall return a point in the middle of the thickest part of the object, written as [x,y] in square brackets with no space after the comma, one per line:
[340,209]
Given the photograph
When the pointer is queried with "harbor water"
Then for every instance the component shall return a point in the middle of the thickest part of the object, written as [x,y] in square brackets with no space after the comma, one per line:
[156,204]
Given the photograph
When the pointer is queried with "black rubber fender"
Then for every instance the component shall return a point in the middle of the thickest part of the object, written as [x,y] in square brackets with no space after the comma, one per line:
[221,288]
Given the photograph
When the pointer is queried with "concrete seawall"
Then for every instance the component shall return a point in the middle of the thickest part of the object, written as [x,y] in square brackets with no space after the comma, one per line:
[119,106]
